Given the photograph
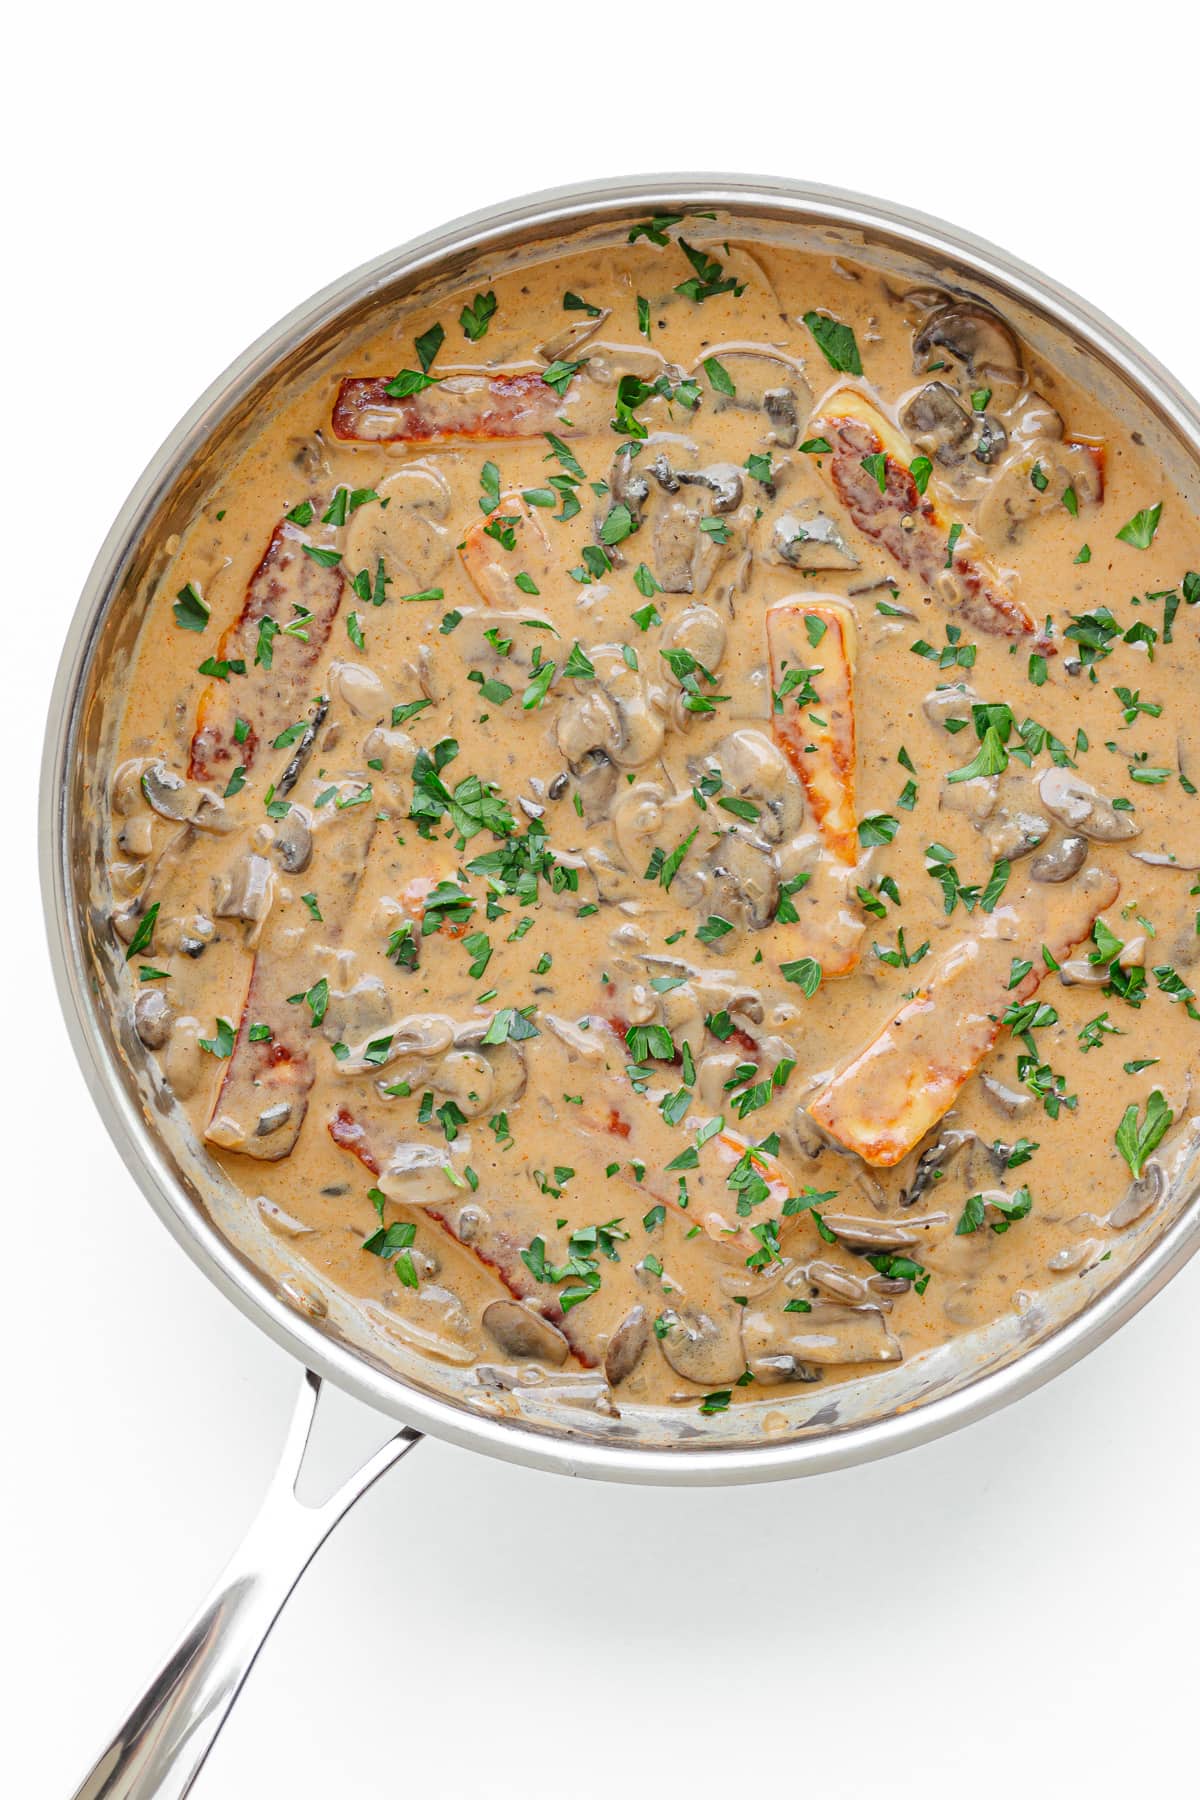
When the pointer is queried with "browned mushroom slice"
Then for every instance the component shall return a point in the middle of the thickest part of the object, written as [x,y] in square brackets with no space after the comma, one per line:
[1033,480]
[523,1334]
[826,1334]
[885,1100]
[877,1232]
[510,541]
[285,621]
[474,406]
[488,1239]
[812,646]
[916,529]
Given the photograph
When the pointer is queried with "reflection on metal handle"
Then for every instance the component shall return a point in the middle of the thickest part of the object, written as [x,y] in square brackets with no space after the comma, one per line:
[161,1746]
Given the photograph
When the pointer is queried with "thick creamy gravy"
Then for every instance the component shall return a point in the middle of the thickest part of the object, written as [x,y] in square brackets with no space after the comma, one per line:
[666,848]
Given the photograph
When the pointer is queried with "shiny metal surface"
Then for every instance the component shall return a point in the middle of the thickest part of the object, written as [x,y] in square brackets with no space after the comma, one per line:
[159,1750]
[126,568]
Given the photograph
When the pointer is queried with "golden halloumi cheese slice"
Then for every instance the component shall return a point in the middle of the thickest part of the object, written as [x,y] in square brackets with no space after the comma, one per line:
[917,528]
[884,1101]
[812,643]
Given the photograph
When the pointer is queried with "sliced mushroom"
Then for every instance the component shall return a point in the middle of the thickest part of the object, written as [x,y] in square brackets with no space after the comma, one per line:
[976,797]
[293,841]
[248,889]
[972,334]
[415,1174]
[408,535]
[607,362]
[152,1018]
[1077,971]
[627,483]
[753,767]
[950,704]
[1160,859]
[992,441]
[465,1077]
[715,1077]
[626,1346]
[723,481]
[1031,481]
[768,382]
[1009,1101]
[1061,861]
[136,836]
[744,881]
[829,1278]
[782,409]
[933,1162]
[937,424]
[701,631]
[827,1334]
[1140,1196]
[506,1062]
[1075,803]
[359,688]
[588,723]
[1011,835]
[280,1223]
[701,1349]
[686,557]
[303,750]
[595,783]
[642,727]
[390,747]
[563,344]
[524,1334]
[811,540]
[863,1233]
[273,1118]
[167,792]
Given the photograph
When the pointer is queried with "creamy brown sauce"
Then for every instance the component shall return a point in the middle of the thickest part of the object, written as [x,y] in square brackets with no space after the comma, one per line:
[571,925]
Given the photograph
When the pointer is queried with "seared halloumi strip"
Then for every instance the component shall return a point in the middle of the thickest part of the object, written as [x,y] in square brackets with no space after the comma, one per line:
[291,587]
[706,1198]
[263,1097]
[496,1243]
[918,530]
[816,635]
[884,1101]
[493,565]
[461,407]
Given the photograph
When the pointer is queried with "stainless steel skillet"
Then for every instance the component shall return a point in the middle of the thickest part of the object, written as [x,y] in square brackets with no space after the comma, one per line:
[162,1745]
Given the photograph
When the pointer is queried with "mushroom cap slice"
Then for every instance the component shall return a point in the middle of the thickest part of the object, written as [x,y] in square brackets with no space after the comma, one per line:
[525,1334]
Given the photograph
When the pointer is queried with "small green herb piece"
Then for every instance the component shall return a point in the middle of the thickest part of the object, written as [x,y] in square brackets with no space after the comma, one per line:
[719,377]
[559,375]
[191,609]
[836,343]
[876,466]
[1139,531]
[805,972]
[222,1043]
[428,345]
[143,936]
[476,317]
[1137,1141]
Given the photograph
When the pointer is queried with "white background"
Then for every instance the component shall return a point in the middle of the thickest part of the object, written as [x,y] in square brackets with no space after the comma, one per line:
[1011,1610]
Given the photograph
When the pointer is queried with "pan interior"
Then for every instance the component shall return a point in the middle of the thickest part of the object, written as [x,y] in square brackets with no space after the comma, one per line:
[216,1223]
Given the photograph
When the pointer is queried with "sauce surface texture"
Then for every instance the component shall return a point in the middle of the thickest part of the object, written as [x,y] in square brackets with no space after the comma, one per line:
[655,833]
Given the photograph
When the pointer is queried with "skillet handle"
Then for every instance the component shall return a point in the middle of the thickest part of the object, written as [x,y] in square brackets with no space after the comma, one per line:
[159,1750]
